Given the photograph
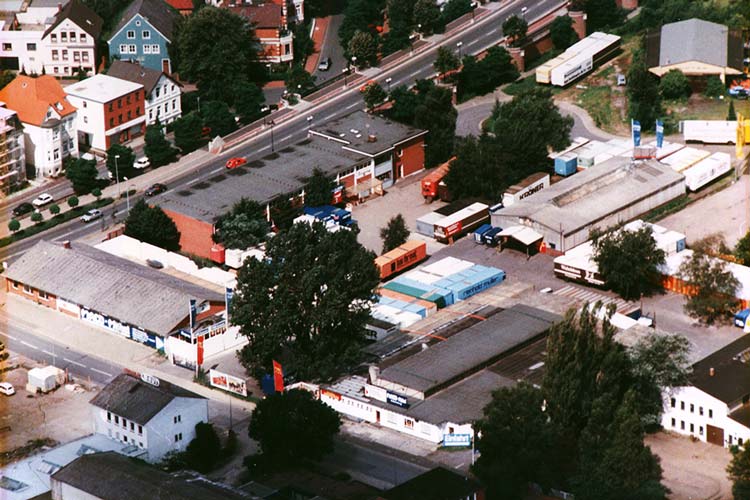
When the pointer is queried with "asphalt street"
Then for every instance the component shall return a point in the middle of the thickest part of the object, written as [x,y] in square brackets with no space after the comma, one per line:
[331,48]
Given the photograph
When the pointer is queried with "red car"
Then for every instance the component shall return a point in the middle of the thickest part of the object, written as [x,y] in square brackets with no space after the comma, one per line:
[235,162]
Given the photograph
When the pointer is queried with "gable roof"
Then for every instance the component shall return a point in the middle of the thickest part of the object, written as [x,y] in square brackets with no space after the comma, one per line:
[32,97]
[82,16]
[730,381]
[696,40]
[134,72]
[110,285]
[182,4]
[157,13]
[265,15]
[130,397]
[102,88]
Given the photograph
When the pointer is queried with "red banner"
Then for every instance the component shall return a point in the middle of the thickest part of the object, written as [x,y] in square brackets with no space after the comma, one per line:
[278,377]
[200,350]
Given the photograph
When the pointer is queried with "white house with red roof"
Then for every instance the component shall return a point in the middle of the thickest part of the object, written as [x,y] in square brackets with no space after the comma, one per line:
[48,119]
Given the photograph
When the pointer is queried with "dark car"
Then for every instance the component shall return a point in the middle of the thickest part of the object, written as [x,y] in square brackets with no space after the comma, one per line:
[156,189]
[23,208]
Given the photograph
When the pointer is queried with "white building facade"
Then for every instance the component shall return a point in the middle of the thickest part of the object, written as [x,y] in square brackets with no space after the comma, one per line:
[163,103]
[12,155]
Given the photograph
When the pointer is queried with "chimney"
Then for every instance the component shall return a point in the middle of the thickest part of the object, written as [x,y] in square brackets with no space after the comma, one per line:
[66,244]
[374,374]
[372,138]
[59,7]
[711,371]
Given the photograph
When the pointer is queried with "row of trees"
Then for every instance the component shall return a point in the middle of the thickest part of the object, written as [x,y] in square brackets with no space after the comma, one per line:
[479,77]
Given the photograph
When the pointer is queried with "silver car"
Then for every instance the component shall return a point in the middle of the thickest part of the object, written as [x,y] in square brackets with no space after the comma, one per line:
[92,214]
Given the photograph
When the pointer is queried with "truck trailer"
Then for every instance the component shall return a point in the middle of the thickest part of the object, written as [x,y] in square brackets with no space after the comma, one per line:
[431,189]
[407,255]
[462,222]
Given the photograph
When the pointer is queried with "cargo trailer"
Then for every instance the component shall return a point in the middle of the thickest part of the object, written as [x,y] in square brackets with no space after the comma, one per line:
[425,225]
[525,188]
[407,255]
[446,266]
[566,164]
[709,131]
[707,170]
[462,222]
[685,158]
[479,233]
[492,237]
[578,59]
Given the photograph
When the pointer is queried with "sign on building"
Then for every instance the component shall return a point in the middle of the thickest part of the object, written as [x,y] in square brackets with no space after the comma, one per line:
[456,439]
[396,399]
[227,382]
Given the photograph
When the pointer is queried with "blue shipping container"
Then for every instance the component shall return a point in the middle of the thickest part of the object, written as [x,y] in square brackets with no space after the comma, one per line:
[432,293]
[566,165]
[492,237]
[471,286]
[479,233]
[741,318]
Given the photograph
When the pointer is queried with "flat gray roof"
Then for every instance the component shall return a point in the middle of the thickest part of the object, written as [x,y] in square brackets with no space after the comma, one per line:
[475,347]
[110,285]
[277,174]
[356,129]
[593,194]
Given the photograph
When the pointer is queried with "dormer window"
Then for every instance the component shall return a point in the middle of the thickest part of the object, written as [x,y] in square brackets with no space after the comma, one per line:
[59,106]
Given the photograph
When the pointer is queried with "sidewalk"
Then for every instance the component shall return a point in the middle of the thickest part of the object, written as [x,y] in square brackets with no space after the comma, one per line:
[318,35]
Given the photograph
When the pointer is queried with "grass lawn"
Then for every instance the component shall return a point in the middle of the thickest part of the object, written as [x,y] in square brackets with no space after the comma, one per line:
[598,102]
[699,107]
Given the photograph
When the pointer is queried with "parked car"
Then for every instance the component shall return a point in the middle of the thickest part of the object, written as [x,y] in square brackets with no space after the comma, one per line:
[235,162]
[23,208]
[141,163]
[156,189]
[621,80]
[92,214]
[324,64]
[43,199]
[7,388]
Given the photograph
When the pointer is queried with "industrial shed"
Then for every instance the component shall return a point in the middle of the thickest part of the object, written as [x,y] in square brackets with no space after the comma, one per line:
[615,191]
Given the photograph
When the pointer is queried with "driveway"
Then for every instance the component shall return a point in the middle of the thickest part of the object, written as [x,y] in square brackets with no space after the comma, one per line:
[331,48]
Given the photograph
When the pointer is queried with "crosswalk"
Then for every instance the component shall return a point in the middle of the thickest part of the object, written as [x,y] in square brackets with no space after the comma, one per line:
[590,296]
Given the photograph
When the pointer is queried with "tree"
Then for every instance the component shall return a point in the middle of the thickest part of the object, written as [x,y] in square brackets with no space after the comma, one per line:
[303,45]
[427,15]
[715,287]
[323,282]
[643,93]
[292,427]
[243,227]
[437,114]
[739,473]
[204,451]
[674,85]
[395,233]
[6,76]
[73,201]
[364,47]
[731,114]
[298,80]
[714,87]
[97,193]
[218,118]
[152,225]
[374,95]
[37,217]
[481,77]
[54,209]
[318,189]
[187,132]
[401,24]
[14,225]
[629,261]
[248,101]
[742,250]
[515,29]
[602,14]
[453,9]
[231,55]
[82,174]
[120,161]
[158,149]
[562,33]
[360,15]
[446,60]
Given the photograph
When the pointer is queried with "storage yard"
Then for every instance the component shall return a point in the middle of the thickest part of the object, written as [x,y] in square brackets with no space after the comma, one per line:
[578,59]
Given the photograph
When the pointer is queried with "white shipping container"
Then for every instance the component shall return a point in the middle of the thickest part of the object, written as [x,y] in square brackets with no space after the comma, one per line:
[707,170]
[709,131]
[425,225]
[572,69]
[527,187]
[422,277]
[685,158]
[447,266]
[575,144]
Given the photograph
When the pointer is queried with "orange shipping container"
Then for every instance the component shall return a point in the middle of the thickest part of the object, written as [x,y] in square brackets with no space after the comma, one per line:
[410,253]
[431,307]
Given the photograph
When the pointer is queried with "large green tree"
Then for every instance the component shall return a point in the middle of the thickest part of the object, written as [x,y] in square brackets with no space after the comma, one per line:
[120,161]
[360,15]
[152,225]
[395,233]
[204,451]
[482,77]
[243,227]
[309,301]
[374,95]
[292,427]
[364,47]
[453,9]
[742,250]
[643,93]
[562,33]
[629,261]
[602,14]
[674,85]
[248,101]
[187,132]
[298,80]
[319,189]
[446,60]
[715,287]
[158,149]
[427,15]
[437,114]
[400,25]
[82,174]
[229,56]
[515,28]
[218,118]
[739,473]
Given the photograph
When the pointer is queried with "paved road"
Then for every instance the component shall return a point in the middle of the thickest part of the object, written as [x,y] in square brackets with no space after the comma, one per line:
[331,48]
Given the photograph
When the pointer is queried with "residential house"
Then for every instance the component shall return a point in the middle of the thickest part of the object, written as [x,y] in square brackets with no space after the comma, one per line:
[149,413]
[49,121]
[144,33]
[162,91]
[270,22]
[110,110]
[12,158]
[49,38]
[715,406]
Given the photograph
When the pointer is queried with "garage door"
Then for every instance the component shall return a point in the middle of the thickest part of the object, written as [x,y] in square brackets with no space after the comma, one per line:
[715,435]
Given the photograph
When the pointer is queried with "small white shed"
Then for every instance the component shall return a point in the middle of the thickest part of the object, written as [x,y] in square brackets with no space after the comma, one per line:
[44,379]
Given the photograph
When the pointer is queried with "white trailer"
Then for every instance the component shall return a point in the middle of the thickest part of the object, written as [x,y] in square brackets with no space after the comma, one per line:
[709,131]
[530,185]
[685,158]
[707,170]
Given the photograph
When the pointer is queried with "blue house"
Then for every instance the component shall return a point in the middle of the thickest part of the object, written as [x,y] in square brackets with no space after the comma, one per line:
[144,33]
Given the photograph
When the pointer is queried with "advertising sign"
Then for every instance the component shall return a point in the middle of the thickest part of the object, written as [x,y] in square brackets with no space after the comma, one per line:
[454,228]
[199,355]
[278,377]
[396,399]
[456,439]
[150,379]
[227,382]
[330,394]
[228,295]
[636,128]
[105,322]
[659,133]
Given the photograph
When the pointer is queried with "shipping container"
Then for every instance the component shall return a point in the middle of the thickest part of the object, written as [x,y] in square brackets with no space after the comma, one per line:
[492,237]
[578,59]
[403,306]
[454,207]
[472,281]
[407,255]
[462,222]
[479,233]
[527,187]
[425,225]
[566,164]
[576,143]
[666,149]
[447,266]
[429,307]
[403,319]
[685,158]
[707,170]
[431,181]
[740,319]
[587,155]
[440,296]
[709,131]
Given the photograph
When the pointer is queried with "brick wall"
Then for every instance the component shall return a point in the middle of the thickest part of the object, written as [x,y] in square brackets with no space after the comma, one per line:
[408,157]
[31,294]
[195,235]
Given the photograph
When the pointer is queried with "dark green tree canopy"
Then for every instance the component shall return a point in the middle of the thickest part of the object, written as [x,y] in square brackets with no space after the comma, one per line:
[446,60]
[82,174]
[401,24]
[629,261]
[437,114]
[360,15]
[298,80]
[243,227]
[152,225]
[562,33]
[158,149]
[187,132]
[453,9]
[515,29]
[427,14]
[602,14]
[643,94]
[120,161]
[742,250]
[248,101]
[374,95]
[674,85]
[482,77]
[739,472]
[218,118]
[292,427]
[319,189]
[364,47]
[395,233]
[204,451]
[309,300]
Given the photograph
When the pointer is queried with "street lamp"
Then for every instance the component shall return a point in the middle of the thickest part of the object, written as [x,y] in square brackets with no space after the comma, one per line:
[388,81]
[473,439]
[127,195]
[345,71]
[354,62]
[459,45]
[117,176]
[309,122]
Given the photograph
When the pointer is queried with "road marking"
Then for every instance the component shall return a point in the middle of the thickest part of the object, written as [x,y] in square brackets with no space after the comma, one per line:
[48,353]
[99,371]
[415,73]
[353,105]
[75,362]
[29,345]
[286,138]
[10,336]
[459,466]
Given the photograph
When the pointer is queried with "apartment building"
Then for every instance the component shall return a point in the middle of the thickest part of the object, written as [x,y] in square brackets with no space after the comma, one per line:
[12,159]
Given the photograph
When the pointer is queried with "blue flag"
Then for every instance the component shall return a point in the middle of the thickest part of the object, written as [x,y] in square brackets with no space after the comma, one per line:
[193,314]
[659,133]
[228,294]
[636,127]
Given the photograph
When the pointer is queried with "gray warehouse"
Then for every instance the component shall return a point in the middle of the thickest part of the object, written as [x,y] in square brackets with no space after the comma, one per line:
[603,196]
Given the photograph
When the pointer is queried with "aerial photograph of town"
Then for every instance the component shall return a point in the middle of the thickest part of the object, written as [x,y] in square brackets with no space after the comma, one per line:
[375,249]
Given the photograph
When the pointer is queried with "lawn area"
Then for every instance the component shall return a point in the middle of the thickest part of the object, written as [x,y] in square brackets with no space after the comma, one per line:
[598,102]
[699,107]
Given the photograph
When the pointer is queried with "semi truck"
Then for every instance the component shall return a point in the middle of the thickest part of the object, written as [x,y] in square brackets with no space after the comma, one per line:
[462,222]
[431,183]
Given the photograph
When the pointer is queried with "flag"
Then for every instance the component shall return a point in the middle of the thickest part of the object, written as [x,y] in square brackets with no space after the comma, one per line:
[228,295]
[636,129]
[193,314]
[278,377]
[199,357]
[659,133]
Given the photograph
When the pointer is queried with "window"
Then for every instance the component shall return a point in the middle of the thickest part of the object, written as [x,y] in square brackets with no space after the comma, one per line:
[178,437]
[119,103]
[72,36]
[132,49]
[123,48]
[177,418]
[55,55]
[140,443]
[111,122]
[64,36]
[674,402]
[155,49]
[692,428]
[700,430]
[692,408]
[409,424]
[125,423]
[14,285]
[739,441]
[147,49]
[682,405]
[31,47]
[682,425]
[119,119]
[131,35]
[117,419]
[130,115]
[85,56]
[710,413]
[27,289]
[137,96]
[110,106]
[150,114]
[674,423]
[65,55]
[57,154]
[145,34]
[132,426]
[109,417]
[53,38]
[85,105]
[173,87]
[138,23]
[76,56]
[43,295]
[127,99]
[157,91]
[700,411]
[137,111]
[82,38]
[56,69]
[7,46]
[140,430]
[730,440]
